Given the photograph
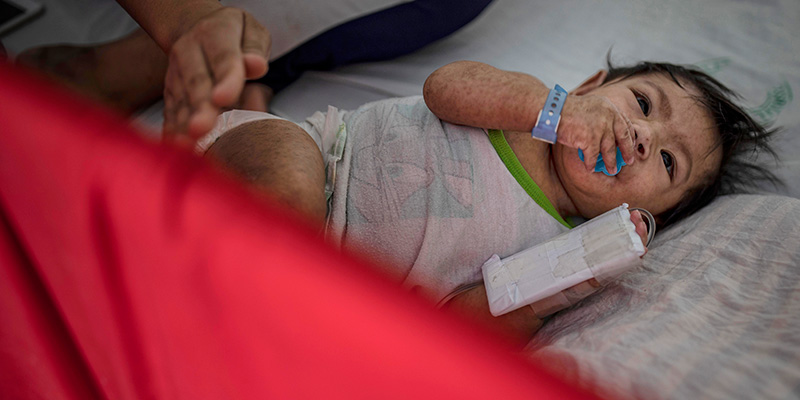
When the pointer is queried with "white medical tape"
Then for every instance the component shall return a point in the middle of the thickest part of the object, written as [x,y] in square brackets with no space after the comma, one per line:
[601,248]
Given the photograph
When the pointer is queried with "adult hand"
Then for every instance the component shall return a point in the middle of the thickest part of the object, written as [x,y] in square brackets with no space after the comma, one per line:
[595,125]
[208,66]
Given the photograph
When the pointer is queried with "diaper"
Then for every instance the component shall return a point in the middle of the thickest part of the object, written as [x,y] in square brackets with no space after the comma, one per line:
[328,131]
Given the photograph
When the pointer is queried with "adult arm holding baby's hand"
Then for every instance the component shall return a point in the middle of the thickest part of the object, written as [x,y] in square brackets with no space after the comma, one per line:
[212,51]
[477,94]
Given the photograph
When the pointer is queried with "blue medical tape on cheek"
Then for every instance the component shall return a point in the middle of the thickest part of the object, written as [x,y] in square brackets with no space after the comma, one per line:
[601,166]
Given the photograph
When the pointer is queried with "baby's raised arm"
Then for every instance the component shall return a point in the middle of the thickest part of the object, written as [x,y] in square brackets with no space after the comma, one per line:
[477,94]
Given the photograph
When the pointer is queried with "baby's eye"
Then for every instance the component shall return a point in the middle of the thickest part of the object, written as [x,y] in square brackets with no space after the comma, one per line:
[644,104]
[669,163]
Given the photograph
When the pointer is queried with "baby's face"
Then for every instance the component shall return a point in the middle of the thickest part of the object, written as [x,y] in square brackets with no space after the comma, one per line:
[673,148]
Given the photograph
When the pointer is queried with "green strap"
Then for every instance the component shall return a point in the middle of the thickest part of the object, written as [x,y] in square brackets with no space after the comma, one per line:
[518,172]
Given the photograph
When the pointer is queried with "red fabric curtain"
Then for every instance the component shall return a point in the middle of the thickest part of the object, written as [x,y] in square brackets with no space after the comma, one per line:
[132,270]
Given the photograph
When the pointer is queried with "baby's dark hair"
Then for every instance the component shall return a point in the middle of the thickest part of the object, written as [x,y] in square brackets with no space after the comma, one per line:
[740,137]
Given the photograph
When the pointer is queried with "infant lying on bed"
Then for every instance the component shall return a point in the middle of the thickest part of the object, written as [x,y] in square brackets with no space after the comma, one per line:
[435,185]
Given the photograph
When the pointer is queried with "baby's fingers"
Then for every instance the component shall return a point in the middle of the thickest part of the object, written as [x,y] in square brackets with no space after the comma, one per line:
[590,157]
[609,150]
[641,226]
[623,133]
[623,130]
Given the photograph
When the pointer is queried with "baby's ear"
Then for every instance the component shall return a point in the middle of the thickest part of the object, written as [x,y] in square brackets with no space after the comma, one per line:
[591,83]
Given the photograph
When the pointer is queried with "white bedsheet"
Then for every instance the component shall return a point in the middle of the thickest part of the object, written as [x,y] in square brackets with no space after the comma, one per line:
[712,315]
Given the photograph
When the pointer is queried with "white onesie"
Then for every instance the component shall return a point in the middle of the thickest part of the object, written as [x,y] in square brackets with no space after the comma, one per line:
[429,201]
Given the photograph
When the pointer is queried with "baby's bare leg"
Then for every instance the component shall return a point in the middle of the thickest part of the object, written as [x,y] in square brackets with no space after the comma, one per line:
[279,159]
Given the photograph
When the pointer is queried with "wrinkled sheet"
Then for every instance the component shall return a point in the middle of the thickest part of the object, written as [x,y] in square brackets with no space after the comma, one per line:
[712,315]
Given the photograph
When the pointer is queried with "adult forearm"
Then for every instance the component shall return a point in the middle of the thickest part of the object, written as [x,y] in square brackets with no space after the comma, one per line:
[477,94]
[166,20]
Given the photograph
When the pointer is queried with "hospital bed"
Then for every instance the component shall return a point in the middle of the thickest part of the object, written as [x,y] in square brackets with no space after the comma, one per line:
[713,314]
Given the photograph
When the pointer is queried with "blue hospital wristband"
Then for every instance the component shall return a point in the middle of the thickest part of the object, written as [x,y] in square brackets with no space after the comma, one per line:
[550,116]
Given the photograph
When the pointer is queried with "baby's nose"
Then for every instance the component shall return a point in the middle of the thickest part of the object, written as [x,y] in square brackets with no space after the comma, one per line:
[641,142]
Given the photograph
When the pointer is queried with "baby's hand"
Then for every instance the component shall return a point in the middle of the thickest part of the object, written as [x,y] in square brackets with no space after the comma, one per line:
[641,227]
[595,125]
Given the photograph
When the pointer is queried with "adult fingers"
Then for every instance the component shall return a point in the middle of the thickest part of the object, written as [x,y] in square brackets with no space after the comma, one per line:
[590,156]
[256,45]
[177,111]
[623,130]
[608,148]
[173,93]
[201,120]
[169,108]
[182,114]
[224,57]
[189,63]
